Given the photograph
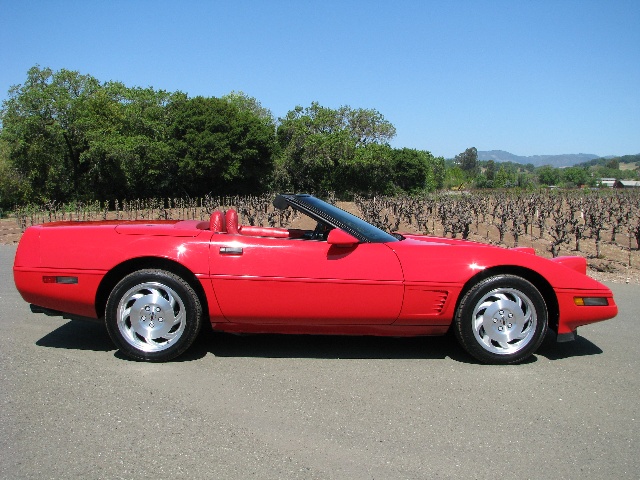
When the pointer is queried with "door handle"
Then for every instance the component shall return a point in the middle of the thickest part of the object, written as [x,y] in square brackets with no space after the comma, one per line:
[230,250]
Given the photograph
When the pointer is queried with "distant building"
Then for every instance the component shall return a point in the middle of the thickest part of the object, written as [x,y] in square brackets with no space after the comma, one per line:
[608,182]
[626,184]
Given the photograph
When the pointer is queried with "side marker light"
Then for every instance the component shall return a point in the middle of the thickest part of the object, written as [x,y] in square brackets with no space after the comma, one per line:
[591,301]
[63,280]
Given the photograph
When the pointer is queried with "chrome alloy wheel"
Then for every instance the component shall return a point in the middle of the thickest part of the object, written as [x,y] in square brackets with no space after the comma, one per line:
[504,321]
[151,317]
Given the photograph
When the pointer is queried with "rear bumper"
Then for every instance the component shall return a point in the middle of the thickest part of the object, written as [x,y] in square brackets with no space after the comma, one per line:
[73,298]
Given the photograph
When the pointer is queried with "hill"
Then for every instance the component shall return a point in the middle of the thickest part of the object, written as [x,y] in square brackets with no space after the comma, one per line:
[627,162]
[566,160]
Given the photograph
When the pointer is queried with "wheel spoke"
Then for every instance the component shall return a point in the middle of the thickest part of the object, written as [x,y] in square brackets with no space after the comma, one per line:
[172,302]
[486,339]
[485,305]
[171,336]
[178,319]
[526,330]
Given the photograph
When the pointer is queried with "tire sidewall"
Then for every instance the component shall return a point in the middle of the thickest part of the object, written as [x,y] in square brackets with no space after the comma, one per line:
[193,314]
[463,326]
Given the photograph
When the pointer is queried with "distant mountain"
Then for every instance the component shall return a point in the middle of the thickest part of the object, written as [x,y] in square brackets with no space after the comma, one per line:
[557,161]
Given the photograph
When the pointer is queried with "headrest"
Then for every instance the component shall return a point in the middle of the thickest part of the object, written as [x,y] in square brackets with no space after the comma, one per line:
[232,221]
[216,222]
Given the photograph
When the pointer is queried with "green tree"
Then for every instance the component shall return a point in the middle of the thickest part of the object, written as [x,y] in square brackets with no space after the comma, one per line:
[410,169]
[369,170]
[548,175]
[505,178]
[613,164]
[575,176]
[455,178]
[244,102]
[129,149]
[221,148]
[468,161]
[416,171]
[316,141]
[524,180]
[71,137]
[439,172]
[45,123]
[12,186]
[490,171]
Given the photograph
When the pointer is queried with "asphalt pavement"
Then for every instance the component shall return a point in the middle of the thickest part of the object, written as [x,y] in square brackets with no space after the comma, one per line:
[289,407]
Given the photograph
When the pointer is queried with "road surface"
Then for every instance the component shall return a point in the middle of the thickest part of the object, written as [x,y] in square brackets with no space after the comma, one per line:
[288,407]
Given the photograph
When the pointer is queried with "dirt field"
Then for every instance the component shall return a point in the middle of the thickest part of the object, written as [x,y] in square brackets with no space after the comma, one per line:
[613,266]
[9,231]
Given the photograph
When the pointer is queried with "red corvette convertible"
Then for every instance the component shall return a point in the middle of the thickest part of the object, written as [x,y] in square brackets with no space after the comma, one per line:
[153,283]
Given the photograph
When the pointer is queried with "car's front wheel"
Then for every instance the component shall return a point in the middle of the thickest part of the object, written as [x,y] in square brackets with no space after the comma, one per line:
[501,320]
[153,315]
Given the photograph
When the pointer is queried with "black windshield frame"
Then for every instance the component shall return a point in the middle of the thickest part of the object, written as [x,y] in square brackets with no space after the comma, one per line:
[333,216]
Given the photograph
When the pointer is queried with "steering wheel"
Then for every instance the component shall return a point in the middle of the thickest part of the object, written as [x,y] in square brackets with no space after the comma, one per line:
[320,232]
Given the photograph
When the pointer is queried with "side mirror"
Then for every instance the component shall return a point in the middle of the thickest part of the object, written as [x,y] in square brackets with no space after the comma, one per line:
[340,238]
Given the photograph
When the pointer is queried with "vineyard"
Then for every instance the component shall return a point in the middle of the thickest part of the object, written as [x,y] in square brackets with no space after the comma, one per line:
[603,226]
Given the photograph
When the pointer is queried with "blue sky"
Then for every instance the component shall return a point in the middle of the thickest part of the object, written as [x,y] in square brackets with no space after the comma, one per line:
[530,77]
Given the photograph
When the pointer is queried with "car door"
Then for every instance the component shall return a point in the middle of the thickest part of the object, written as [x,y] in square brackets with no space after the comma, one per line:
[288,281]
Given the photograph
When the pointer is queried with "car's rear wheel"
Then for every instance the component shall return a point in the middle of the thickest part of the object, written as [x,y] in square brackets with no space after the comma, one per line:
[501,320]
[153,315]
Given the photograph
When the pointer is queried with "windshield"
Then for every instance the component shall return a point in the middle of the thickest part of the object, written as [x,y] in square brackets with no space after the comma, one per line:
[336,217]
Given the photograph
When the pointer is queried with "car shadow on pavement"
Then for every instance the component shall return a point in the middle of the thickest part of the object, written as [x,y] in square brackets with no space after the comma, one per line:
[362,347]
[580,347]
[78,335]
[324,346]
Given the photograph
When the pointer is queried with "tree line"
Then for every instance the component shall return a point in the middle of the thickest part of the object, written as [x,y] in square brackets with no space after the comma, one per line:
[67,136]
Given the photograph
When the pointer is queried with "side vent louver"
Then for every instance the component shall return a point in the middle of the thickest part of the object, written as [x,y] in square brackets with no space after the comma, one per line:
[439,301]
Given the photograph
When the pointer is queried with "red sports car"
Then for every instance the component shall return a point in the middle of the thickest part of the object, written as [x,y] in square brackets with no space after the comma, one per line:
[153,283]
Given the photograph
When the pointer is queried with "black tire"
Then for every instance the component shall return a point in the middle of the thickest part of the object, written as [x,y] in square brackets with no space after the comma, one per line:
[501,320]
[153,315]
